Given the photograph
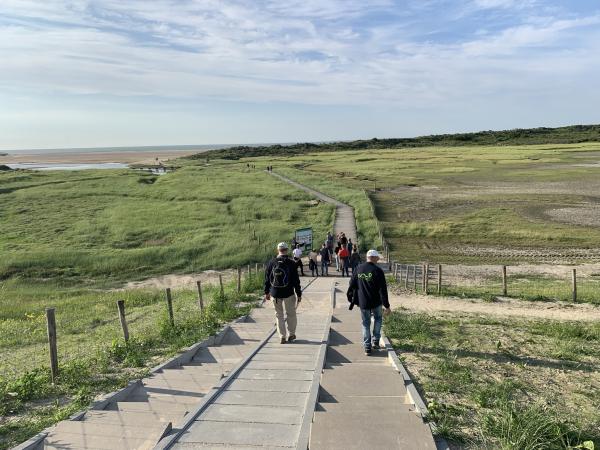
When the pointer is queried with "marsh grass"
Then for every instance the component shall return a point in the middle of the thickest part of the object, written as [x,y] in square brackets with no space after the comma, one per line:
[504,383]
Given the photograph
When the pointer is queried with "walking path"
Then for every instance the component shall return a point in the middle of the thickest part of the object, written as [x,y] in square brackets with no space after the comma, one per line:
[363,402]
[270,402]
[344,214]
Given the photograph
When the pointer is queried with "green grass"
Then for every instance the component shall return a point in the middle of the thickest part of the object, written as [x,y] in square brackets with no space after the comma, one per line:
[504,383]
[93,356]
[443,204]
[109,226]
[70,238]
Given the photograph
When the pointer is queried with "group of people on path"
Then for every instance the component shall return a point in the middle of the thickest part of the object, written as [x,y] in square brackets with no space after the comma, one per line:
[367,290]
[344,253]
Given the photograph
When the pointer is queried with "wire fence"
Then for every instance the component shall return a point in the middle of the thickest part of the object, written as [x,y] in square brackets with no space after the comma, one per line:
[529,282]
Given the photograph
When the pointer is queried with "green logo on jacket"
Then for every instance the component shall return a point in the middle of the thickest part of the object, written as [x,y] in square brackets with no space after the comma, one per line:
[366,276]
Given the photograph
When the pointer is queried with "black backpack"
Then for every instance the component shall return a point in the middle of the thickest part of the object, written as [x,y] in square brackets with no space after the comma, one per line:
[280,275]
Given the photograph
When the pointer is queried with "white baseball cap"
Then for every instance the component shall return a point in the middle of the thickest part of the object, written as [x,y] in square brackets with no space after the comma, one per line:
[282,246]
[373,254]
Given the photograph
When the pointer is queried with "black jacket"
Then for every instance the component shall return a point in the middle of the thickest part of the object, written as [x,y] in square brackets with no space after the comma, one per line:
[293,284]
[368,288]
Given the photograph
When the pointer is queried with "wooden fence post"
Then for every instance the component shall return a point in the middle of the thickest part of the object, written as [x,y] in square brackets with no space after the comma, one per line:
[504,282]
[256,268]
[426,279]
[170,307]
[395,271]
[221,284]
[406,278]
[121,308]
[249,271]
[422,277]
[415,278]
[51,326]
[239,279]
[439,284]
[400,273]
[574,275]
[200,299]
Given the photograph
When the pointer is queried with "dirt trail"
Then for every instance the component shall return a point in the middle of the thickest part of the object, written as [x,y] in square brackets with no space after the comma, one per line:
[503,307]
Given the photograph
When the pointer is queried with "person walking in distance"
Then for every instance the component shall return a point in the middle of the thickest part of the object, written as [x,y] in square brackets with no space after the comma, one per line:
[368,290]
[282,286]
[325,260]
[297,254]
[344,256]
[336,250]
[354,259]
[313,258]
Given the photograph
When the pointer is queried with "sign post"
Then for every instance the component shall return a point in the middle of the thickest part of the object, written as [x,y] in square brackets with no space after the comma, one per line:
[304,237]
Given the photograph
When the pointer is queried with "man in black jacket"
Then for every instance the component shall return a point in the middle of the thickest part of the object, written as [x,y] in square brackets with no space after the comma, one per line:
[368,289]
[281,282]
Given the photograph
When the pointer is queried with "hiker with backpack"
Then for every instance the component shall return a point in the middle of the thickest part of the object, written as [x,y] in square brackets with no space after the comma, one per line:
[368,290]
[282,285]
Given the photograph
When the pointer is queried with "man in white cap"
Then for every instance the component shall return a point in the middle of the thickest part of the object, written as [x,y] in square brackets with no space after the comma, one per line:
[282,285]
[368,289]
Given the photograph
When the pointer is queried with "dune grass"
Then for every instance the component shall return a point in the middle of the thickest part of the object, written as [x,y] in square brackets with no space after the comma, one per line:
[110,226]
[93,356]
[504,383]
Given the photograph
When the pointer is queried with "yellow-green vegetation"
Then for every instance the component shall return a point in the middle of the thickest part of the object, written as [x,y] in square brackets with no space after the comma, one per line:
[69,239]
[504,383]
[98,227]
[93,356]
[469,204]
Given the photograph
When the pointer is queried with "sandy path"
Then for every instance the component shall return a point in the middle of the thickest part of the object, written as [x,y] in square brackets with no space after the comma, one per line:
[503,307]
[183,281]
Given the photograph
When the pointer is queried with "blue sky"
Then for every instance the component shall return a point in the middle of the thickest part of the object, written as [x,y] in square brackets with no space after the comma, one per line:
[95,73]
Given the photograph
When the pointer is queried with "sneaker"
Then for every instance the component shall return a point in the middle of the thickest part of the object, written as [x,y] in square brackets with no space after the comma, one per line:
[376,346]
[367,351]
[283,341]
[292,337]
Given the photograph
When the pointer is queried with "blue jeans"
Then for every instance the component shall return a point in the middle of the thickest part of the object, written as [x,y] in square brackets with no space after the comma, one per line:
[366,325]
[324,268]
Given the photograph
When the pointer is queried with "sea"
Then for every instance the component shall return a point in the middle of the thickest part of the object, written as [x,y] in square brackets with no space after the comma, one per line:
[85,166]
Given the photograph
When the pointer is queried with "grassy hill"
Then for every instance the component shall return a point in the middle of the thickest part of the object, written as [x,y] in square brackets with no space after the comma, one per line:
[532,136]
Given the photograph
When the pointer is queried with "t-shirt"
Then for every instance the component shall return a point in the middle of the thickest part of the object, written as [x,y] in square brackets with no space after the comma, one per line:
[343,253]
[313,255]
[297,253]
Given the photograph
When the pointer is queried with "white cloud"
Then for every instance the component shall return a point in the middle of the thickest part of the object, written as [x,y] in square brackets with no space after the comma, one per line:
[321,52]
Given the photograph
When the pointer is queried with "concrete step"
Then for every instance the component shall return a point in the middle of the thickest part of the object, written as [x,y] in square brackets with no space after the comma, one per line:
[375,424]
[168,375]
[231,354]
[88,435]
[354,353]
[267,399]
[145,394]
[155,406]
[361,380]
[130,418]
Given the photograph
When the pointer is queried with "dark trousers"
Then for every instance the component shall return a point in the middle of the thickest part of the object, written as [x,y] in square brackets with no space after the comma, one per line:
[299,264]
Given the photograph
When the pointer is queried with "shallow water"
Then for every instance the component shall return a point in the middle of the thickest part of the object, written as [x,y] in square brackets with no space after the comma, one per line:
[67,166]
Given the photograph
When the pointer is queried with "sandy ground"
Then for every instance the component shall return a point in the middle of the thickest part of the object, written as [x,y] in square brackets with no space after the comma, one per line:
[140,157]
[187,281]
[503,307]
